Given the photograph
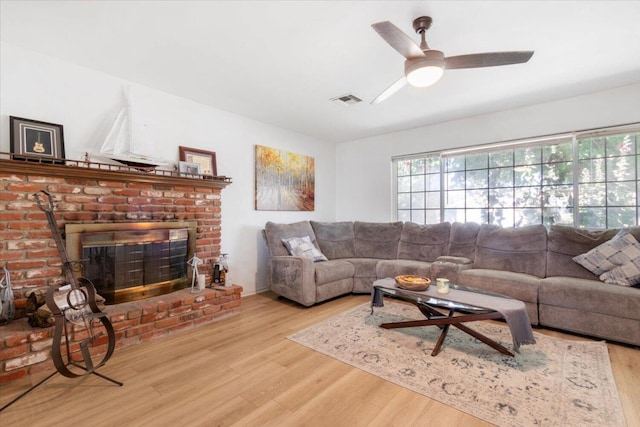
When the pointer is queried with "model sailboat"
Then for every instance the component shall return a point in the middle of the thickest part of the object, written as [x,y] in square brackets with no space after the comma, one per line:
[119,143]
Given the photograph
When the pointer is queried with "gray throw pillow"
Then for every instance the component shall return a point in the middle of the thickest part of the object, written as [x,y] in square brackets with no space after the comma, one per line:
[627,274]
[302,246]
[620,250]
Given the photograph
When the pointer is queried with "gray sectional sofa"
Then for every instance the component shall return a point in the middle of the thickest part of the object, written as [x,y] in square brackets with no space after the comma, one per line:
[531,264]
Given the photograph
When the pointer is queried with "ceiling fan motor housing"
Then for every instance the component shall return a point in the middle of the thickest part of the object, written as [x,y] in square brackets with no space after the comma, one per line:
[425,70]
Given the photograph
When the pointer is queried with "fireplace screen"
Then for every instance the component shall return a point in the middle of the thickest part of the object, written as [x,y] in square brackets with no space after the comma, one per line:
[128,264]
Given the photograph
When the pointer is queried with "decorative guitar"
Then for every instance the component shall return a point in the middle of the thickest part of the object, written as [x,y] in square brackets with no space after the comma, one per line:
[74,302]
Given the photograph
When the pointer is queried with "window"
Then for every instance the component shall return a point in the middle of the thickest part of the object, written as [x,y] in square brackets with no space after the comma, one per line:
[608,180]
[418,189]
[588,179]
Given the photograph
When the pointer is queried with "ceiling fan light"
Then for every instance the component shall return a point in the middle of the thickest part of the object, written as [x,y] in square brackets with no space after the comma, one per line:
[424,76]
[425,71]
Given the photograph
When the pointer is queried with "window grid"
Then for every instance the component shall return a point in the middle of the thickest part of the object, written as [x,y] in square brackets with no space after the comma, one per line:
[591,181]
[511,187]
[608,181]
[418,189]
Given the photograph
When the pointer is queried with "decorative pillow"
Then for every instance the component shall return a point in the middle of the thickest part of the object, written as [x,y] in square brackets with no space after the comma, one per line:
[302,246]
[620,250]
[627,274]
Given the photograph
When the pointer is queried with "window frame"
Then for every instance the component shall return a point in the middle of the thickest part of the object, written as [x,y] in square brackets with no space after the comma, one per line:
[573,198]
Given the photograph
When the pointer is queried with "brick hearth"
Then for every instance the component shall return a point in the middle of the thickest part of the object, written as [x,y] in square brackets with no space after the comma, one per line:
[25,350]
[86,193]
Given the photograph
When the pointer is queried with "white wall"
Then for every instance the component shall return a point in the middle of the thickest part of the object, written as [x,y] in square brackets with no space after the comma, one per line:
[85,101]
[353,180]
[364,189]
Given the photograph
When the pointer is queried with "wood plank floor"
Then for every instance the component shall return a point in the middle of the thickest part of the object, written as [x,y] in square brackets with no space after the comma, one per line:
[244,372]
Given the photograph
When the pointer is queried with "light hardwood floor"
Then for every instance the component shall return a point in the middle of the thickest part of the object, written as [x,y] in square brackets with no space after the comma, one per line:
[243,371]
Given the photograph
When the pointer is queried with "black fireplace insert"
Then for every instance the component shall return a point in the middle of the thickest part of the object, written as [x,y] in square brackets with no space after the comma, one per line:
[131,261]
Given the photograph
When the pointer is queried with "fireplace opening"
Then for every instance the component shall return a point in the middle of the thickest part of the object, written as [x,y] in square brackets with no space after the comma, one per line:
[132,261]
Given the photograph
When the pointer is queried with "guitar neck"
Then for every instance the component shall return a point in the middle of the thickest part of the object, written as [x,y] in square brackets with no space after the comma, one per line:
[55,231]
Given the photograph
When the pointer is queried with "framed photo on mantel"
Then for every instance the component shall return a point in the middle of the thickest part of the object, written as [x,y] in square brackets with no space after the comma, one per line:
[206,159]
[189,168]
[38,141]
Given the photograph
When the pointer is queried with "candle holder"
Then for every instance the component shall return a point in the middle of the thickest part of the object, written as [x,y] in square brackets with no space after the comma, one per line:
[442,285]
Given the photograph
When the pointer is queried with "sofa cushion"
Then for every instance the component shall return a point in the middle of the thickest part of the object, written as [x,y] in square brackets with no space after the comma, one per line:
[334,289]
[396,267]
[462,239]
[423,242]
[335,238]
[523,287]
[446,269]
[590,296]
[519,250]
[621,249]
[274,233]
[377,240]
[515,285]
[567,242]
[609,326]
[364,267]
[302,246]
[333,270]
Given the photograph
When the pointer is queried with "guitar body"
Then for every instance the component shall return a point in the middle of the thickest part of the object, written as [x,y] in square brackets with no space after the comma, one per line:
[102,318]
[87,313]
[60,325]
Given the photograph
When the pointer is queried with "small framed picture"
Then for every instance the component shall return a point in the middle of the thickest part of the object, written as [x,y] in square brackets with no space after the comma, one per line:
[38,141]
[190,168]
[206,160]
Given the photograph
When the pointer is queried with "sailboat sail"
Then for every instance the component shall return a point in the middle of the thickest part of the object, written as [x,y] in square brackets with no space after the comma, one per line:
[118,145]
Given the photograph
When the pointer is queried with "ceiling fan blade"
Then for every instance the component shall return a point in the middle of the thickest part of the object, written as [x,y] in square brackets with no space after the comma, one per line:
[489,59]
[390,90]
[398,39]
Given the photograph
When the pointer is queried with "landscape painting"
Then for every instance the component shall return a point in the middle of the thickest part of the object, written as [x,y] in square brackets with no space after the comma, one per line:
[284,181]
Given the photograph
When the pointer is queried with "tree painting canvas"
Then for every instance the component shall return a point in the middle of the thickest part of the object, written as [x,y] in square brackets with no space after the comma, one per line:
[284,181]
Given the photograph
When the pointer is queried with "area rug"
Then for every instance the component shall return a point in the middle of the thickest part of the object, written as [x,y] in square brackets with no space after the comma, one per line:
[554,382]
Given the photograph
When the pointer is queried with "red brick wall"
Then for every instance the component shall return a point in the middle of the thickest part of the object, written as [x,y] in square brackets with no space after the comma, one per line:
[30,253]
[26,243]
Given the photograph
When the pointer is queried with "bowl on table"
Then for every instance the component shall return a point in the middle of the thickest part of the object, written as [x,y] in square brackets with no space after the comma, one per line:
[413,283]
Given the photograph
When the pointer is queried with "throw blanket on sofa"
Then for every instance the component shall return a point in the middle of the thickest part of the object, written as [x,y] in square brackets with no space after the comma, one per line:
[513,311]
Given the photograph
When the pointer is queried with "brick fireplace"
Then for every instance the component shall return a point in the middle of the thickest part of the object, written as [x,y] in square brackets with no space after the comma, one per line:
[89,193]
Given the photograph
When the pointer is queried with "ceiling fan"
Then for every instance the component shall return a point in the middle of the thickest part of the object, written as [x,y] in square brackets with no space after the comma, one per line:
[425,66]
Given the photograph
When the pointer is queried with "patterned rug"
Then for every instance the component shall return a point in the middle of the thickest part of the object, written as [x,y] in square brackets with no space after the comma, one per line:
[555,382]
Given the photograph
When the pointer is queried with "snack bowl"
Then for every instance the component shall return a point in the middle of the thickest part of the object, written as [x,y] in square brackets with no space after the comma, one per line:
[413,283]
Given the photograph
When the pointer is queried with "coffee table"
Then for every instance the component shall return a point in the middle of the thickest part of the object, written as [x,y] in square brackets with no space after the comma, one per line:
[446,310]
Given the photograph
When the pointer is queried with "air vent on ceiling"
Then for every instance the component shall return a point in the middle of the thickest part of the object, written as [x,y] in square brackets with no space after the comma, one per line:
[346,99]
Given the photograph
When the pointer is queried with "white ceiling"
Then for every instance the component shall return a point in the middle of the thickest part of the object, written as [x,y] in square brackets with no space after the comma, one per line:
[280,62]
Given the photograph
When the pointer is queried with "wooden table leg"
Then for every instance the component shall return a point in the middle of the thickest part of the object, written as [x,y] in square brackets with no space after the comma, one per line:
[488,341]
[436,318]
[443,335]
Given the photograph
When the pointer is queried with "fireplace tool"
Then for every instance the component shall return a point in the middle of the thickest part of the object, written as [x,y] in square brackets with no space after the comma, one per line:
[73,303]
[195,262]
[7,309]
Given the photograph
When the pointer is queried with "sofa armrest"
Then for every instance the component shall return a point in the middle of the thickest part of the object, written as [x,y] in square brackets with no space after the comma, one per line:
[455,259]
[293,277]
[449,269]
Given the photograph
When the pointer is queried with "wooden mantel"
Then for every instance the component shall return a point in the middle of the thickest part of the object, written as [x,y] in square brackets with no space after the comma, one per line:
[108,172]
